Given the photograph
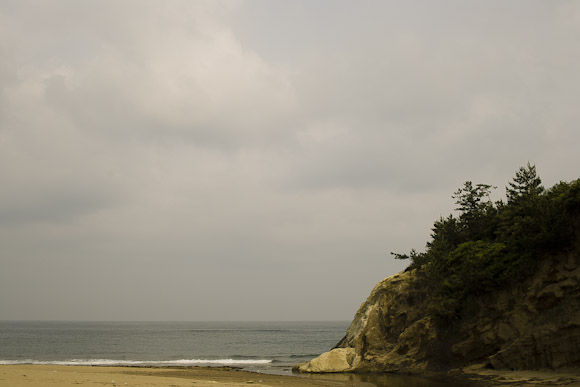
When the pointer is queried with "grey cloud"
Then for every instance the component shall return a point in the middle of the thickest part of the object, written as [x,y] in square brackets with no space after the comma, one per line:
[42,206]
[258,153]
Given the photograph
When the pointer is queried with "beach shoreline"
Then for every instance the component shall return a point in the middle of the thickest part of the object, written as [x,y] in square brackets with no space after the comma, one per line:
[74,375]
[34,375]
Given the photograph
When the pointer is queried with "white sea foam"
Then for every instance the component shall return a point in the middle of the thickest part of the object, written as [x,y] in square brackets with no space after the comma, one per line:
[111,362]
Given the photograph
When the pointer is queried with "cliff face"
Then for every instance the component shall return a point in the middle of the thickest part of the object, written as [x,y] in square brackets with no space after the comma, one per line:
[530,325]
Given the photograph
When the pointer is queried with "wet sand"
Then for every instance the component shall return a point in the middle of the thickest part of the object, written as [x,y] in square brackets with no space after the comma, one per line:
[48,375]
[521,378]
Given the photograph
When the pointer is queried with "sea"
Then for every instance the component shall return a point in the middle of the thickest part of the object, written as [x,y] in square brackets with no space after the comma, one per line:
[265,347]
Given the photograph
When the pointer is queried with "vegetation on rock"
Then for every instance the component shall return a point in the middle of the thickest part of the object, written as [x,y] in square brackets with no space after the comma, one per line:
[492,244]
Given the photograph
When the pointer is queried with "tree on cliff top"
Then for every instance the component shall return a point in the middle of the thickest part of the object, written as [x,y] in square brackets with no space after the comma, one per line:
[526,184]
[491,244]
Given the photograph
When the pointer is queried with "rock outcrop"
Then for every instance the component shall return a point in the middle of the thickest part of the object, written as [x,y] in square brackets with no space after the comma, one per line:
[336,360]
[534,324]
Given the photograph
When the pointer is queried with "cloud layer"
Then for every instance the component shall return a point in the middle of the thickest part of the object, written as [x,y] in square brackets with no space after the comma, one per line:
[258,160]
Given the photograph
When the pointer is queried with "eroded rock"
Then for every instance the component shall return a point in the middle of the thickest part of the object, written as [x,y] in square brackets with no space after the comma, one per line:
[532,325]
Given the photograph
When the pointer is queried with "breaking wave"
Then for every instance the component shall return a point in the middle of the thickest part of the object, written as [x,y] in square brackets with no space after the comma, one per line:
[159,363]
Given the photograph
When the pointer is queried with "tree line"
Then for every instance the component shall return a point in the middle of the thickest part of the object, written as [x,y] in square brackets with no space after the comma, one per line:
[490,244]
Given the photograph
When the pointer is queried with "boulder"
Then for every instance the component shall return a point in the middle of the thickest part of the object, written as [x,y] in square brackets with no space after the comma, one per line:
[337,360]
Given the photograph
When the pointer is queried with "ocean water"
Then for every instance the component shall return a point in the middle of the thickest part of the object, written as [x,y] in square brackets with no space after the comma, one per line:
[271,347]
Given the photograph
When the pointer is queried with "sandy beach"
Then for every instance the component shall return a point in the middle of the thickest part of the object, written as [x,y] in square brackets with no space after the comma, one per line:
[50,375]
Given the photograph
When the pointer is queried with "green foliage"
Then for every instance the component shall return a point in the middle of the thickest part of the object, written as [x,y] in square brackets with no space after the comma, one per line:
[470,269]
[525,184]
[477,211]
[492,244]
[471,200]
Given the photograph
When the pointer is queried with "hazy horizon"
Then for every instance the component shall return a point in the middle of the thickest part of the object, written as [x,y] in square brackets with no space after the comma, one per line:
[258,160]
[180,321]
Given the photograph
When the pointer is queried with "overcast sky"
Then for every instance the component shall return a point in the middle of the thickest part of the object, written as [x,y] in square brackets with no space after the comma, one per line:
[258,160]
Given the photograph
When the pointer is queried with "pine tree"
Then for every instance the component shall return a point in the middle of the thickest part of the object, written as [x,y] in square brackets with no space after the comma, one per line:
[526,184]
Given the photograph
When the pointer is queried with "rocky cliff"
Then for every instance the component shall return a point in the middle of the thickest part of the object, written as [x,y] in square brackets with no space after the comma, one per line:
[534,324]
